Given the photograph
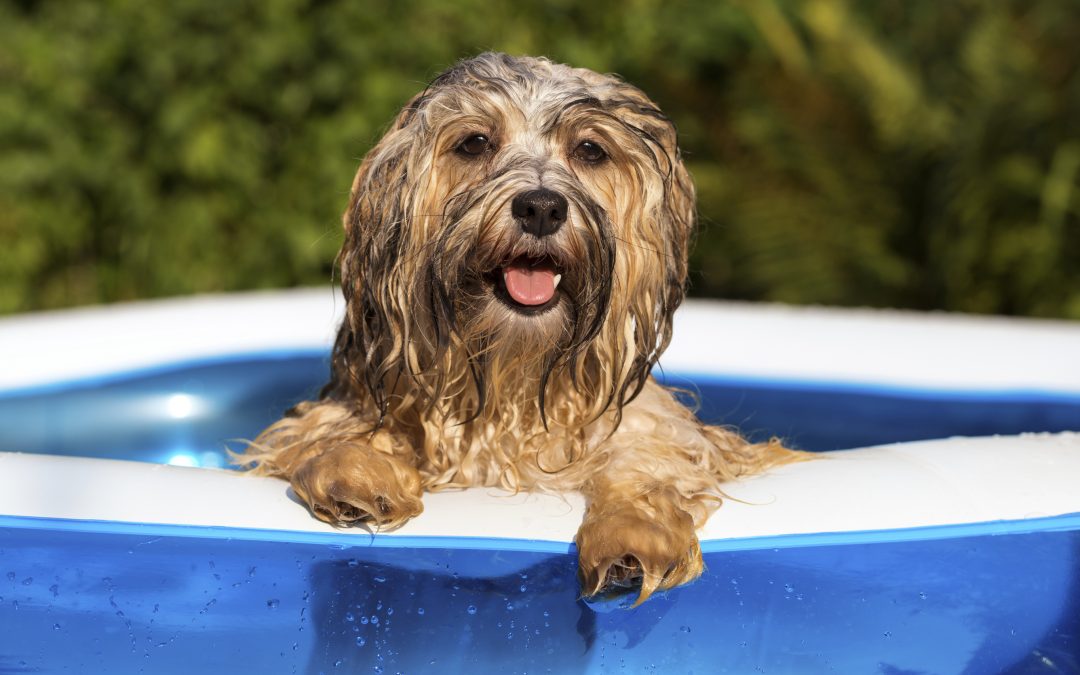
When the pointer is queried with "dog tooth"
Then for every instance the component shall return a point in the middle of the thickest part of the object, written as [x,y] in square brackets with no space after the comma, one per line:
[558,278]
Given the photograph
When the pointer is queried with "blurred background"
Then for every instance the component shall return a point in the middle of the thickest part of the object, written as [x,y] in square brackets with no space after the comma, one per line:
[887,153]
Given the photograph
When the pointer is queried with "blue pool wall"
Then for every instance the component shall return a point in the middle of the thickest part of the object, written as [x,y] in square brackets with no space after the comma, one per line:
[106,597]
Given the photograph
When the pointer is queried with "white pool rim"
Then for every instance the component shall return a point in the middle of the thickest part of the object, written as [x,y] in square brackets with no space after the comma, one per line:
[922,490]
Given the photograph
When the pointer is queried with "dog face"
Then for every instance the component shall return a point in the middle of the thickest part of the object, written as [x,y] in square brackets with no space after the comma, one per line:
[522,223]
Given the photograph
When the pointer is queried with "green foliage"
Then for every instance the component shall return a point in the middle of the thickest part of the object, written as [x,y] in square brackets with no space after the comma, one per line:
[885,152]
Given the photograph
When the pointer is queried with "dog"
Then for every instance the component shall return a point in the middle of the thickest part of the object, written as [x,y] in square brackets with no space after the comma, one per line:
[515,247]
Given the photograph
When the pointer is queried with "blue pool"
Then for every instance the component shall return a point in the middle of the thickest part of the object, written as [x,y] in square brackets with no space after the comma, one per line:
[98,574]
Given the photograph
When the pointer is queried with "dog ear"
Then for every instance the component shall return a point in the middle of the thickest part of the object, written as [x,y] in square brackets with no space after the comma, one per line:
[677,216]
[372,341]
[672,221]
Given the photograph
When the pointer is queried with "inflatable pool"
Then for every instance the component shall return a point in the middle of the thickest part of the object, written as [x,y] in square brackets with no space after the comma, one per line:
[954,555]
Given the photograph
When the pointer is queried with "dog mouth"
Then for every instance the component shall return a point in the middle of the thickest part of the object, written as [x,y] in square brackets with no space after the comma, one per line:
[528,284]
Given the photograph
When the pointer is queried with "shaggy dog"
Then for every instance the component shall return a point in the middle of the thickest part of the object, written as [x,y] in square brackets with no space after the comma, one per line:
[515,247]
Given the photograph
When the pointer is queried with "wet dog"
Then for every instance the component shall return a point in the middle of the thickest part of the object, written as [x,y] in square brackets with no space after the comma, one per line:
[515,248]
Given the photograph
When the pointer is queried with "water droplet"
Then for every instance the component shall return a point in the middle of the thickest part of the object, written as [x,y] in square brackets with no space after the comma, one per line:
[56,626]
[471,609]
[420,611]
[11,576]
[887,634]
[788,588]
[380,579]
[353,562]
[337,664]
[389,611]
[364,620]
[273,604]
[922,595]
[685,629]
[509,606]
[27,581]
[374,620]
[349,617]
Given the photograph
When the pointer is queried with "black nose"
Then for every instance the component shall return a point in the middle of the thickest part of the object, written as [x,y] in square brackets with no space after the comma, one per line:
[539,212]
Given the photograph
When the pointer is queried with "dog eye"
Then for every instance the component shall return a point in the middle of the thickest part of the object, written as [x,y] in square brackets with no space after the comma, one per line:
[474,145]
[590,152]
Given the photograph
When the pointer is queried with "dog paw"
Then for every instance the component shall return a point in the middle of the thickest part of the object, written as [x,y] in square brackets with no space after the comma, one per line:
[623,550]
[347,485]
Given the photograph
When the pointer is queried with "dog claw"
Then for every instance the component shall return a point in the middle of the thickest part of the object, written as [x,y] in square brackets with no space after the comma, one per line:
[622,576]
[349,512]
[385,513]
[627,576]
[383,505]
[338,512]
[626,572]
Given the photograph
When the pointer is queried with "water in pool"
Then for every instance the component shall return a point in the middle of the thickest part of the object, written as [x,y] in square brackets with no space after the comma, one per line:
[187,413]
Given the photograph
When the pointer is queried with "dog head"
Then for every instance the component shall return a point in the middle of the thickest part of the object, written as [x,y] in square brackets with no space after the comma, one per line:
[522,225]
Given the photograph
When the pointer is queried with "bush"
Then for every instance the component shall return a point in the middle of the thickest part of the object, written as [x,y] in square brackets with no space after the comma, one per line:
[888,153]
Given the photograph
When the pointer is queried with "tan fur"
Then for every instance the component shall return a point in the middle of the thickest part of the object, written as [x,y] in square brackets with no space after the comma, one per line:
[437,383]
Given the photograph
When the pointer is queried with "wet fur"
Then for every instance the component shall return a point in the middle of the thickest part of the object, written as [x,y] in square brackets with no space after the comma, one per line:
[437,383]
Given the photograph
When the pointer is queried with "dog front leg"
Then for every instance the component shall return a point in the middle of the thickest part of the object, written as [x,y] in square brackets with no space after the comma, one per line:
[638,531]
[343,470]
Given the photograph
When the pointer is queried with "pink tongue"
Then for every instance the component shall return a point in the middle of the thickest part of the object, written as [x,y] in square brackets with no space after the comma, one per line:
[529,285]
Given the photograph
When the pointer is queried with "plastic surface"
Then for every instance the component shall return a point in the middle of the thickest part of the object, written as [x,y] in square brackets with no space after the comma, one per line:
[897,492]
[157,601]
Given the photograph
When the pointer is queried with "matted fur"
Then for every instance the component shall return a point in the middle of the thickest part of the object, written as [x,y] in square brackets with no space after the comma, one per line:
[438,382]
